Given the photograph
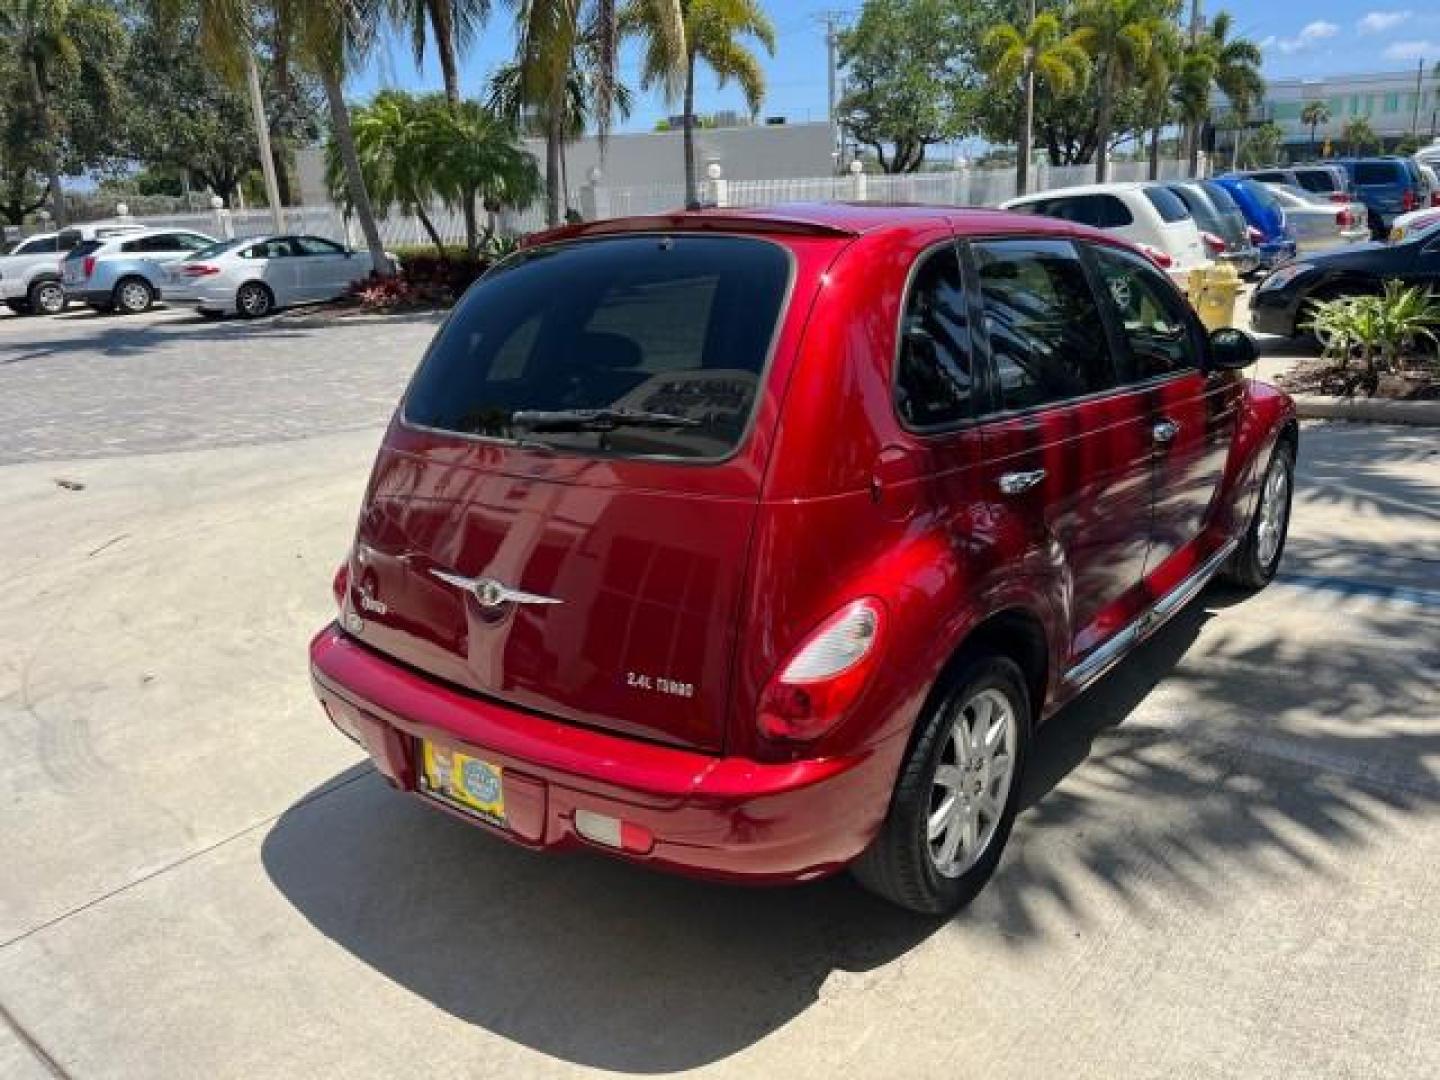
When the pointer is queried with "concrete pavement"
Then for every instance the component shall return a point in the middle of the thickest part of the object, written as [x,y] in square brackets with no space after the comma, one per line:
[1229,863]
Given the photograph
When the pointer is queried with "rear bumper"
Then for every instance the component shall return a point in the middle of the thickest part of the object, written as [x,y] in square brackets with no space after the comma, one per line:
[1273,313]
[721,817]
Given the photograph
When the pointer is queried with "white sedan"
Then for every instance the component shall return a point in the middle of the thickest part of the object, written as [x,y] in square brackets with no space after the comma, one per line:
[1319,223]
[257,275]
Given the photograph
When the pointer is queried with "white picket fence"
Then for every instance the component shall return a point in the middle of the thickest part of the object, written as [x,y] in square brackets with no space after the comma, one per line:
[951,187]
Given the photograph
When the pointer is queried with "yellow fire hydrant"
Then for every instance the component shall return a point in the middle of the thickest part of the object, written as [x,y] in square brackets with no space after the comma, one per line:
[1212,291]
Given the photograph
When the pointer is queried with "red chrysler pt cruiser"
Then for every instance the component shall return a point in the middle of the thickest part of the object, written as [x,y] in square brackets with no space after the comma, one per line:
[757,544]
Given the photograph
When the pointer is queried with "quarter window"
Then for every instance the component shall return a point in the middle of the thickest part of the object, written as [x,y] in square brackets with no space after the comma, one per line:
[1158,338]
[1046,335]
[934,381]
[42,246]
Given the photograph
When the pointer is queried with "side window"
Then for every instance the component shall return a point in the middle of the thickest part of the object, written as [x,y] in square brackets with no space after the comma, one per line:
[1046,335]
[1157,334]
[1112,213]
[38,247]
[189,242]
[933,378]
[313,245]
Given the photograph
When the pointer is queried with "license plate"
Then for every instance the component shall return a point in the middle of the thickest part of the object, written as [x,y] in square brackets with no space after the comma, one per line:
[471,783]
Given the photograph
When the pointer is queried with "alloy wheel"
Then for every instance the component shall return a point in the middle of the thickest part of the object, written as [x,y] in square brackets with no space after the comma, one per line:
[134,296]
[972,782]
[253,301]
[1274,513]
[50,298]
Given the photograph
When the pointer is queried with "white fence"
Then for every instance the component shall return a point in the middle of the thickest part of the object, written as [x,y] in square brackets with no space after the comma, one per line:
[951,187]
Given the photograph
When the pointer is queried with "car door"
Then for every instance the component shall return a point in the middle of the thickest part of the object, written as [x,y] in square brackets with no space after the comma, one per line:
[1067,456]
[280,258]
[1190,416]
[324,268]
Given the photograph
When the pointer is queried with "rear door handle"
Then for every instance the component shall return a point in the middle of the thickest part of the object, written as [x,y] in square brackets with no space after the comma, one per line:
[1013,483]
[1165,431]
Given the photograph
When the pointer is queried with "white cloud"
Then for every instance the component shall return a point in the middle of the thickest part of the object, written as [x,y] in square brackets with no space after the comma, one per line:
[1309,34]
[1377,22]
[1412,50]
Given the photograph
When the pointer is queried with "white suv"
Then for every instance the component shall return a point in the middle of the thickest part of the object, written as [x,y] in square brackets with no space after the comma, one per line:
[30,271]
[1148,215]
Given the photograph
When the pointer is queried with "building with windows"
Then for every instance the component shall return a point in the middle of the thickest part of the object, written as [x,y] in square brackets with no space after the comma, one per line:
[1396,104]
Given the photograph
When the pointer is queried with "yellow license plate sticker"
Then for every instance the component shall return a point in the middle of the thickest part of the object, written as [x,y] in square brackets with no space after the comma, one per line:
[468,782]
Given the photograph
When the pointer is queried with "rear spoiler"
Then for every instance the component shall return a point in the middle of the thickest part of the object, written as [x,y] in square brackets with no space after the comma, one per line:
[692,221]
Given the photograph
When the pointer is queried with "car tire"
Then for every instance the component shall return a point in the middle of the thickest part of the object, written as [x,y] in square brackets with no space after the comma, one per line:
[909,863]
[1258,557]
[254,300]
[47,297]
[132,295]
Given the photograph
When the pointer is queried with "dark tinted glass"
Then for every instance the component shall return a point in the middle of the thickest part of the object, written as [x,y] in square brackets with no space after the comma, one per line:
[80,250]
[1377,172]
[1157,334]
[1222,199]
[1318,180]
[1270,177]
[1045,330]
[933,383]
[39,247]
[314,245]
[1099,211]
[1171,209]
[680,325]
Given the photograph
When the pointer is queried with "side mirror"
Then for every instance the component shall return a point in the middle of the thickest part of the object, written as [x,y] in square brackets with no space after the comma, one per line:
[1231,350]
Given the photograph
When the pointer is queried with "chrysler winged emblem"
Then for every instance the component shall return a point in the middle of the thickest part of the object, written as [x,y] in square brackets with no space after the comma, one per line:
[491,594]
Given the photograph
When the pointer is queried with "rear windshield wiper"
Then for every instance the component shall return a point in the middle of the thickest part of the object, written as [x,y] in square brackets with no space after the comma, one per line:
[596,419]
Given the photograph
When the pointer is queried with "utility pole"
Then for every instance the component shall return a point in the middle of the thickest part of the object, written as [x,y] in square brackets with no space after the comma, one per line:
[262,134]
[831,21]
[1192,132]
[1419,83]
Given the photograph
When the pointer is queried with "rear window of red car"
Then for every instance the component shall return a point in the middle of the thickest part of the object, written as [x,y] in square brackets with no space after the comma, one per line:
[666,325]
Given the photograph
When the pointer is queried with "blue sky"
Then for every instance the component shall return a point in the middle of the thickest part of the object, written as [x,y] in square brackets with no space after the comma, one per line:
[1316,37]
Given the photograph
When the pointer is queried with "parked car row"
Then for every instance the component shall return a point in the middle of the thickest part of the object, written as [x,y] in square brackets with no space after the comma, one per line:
[1411,254]
[128,268]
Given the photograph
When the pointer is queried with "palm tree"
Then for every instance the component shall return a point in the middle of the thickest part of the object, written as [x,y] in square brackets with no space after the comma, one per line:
[549,33]
[395,157]
[1117,34]
[507,101]
[1159,81]
[713,33]
[1217,59]
[1038,50]
[327,34]
[1313,115]
[452,23]
[1358,134]
[43,37]
[473,153]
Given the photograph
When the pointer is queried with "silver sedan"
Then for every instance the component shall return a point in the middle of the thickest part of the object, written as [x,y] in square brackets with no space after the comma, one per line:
[1319,223]
[257,275]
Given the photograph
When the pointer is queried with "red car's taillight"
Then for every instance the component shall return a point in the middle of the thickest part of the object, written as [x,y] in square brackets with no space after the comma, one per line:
[1255,234]
[1213,242]
[88,266]
[199,270]
[811,692]
[1345,219]
[341,584]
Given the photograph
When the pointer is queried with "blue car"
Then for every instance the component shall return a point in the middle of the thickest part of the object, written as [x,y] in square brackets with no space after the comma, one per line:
[1388,186]
[1273,236]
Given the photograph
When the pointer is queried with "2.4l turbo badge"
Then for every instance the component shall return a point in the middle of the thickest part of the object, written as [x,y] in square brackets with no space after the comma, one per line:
[658,684]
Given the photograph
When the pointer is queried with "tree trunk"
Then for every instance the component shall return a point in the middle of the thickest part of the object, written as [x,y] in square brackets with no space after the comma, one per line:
[52,152]
[442,23]
[1027,130]
[1192,160]
[1102,127]
[429,227]
[354,178]
[692,191]
[1155,151]
[553,138]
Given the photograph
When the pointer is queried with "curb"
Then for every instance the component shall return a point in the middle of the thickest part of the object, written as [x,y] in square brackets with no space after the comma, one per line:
[1367,410]
[313,320]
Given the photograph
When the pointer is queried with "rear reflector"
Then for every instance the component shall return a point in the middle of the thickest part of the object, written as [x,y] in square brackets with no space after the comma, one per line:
[614,833]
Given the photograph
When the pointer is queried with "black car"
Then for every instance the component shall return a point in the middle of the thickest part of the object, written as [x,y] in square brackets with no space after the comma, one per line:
[1279,305]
